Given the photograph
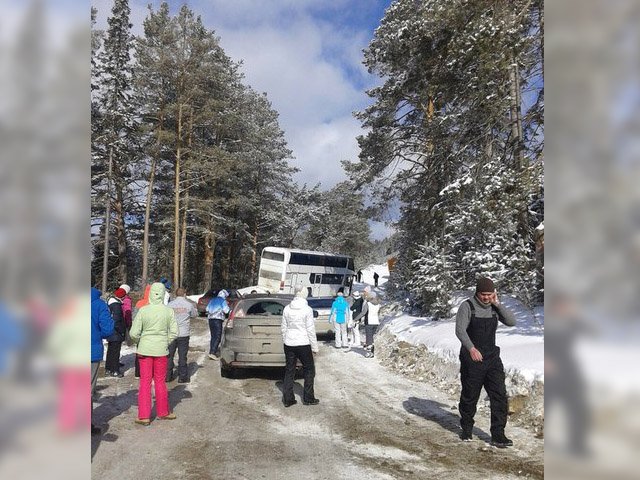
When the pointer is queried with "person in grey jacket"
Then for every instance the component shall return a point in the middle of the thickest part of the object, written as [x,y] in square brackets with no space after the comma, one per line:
[300,343]
[480,363]
[183,309]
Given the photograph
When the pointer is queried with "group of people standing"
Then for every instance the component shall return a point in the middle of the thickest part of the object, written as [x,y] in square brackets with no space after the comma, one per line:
[159,329]
[349,313]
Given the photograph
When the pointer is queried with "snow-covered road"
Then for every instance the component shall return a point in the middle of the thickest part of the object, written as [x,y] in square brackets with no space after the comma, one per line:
[371,424]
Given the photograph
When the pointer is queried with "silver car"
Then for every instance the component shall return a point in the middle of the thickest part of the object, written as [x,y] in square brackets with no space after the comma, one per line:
[322,305]
[252,334]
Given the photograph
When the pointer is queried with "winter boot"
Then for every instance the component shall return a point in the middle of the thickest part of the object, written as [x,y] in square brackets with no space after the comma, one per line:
[501,441]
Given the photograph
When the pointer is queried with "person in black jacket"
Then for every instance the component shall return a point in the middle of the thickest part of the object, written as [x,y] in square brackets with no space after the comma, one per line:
[375,278]
[358,313]
[112,364]
[480,363]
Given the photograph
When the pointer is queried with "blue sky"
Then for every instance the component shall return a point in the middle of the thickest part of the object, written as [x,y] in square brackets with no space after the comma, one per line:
[307,56]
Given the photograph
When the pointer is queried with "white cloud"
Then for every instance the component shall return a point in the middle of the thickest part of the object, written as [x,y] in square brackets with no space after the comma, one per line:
[307,56]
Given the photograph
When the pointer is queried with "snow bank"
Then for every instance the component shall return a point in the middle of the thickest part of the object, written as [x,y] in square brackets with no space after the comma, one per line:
[522,346]
[427,349]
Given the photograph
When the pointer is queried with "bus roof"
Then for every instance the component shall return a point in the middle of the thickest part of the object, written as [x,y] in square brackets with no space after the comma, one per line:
[306,252]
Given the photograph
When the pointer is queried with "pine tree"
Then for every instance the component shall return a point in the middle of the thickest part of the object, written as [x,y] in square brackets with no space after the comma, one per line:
[447,133]
[113,139]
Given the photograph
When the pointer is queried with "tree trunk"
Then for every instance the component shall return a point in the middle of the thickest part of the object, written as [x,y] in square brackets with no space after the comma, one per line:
[254,253]
[107,221]
[176,231]
[121,236]
[516,115]
[183,240]
[147,211]
[209,244]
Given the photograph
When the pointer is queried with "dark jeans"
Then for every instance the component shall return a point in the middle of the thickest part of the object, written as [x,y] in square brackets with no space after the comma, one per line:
[488,374]
[215,327]
[369,331]
[182,345]
[304,354]
[112,363]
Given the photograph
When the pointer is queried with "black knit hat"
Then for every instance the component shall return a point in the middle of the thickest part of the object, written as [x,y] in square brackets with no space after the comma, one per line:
[484,285]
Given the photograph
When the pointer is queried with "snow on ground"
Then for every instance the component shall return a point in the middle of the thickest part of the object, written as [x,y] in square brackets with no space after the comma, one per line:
[522,346]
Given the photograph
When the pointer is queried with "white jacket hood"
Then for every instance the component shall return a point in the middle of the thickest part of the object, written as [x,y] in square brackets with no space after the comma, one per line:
[298,303]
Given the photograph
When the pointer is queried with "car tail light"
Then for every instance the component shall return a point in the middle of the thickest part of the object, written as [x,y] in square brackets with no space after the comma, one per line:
[282,285]
[230,320]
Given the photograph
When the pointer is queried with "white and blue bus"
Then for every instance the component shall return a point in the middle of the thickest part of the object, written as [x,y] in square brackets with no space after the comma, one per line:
[321,274]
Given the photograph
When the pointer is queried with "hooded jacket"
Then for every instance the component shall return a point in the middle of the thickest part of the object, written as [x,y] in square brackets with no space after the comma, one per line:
[217,307]
[154,327]
[298,325]
[339,310]
[145,298]
[101,324]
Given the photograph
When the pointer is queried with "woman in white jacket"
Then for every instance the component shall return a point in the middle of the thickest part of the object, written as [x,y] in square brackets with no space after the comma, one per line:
[300,342]
[372,322]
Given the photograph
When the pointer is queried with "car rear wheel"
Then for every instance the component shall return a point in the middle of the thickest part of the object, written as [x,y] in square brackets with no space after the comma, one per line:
[226,371]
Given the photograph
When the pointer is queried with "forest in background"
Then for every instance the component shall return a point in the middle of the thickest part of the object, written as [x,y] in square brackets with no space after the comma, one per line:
[192,171]
[190,165]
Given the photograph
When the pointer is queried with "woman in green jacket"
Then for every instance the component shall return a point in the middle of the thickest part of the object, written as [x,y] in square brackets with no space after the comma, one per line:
[153,329]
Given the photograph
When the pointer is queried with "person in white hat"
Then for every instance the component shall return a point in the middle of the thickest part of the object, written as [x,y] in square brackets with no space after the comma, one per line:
[127,306]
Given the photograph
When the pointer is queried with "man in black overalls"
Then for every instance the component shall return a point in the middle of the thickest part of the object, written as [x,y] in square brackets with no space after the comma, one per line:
[480,363]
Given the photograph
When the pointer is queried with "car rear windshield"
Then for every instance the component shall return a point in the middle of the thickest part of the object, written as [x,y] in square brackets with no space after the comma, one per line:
[320,302]
[259,308]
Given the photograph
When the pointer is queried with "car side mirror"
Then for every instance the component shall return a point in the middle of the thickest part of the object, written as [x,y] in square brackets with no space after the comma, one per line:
[315,314]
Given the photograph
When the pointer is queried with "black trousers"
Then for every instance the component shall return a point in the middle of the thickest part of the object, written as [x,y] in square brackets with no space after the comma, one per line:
[112,363]
[304,354]
[182,345]
[488,374]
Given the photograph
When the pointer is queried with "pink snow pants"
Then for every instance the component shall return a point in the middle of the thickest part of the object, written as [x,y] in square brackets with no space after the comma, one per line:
[153,368]
[74,398]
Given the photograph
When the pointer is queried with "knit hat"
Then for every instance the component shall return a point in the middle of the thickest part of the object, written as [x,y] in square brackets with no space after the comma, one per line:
[126,288]
[356,294]
[484,285]
[340,294]
[300,291]
[119,293]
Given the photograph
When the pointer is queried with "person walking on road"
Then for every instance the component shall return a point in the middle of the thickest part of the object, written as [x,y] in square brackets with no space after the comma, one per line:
[300,343]
[339,316]
[101,328]
[153,329]
[359,276]
[480,363]
[375,278]
[183,310]
[372,321]
[217,310]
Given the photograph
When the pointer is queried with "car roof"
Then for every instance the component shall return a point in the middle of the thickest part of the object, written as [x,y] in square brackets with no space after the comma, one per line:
[267,296]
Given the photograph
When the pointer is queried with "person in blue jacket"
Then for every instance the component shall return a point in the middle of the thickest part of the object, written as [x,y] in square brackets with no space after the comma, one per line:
[217,310]
[101,328]
[11,336]
[340,316]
